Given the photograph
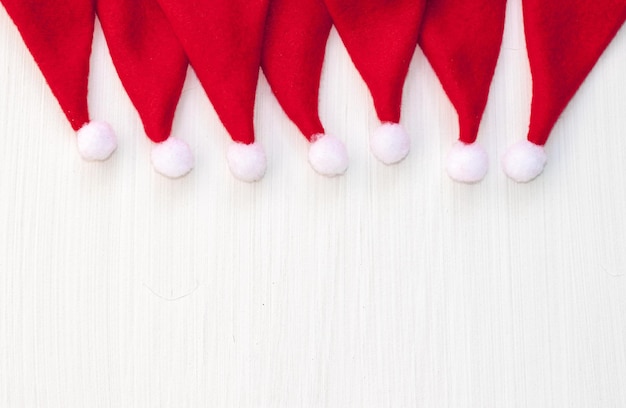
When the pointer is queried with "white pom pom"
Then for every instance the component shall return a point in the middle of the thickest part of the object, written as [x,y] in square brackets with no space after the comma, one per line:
[247,162]
[467,163]
[96,141]
[172,158]
[328,155]
[390,143]
[524,161]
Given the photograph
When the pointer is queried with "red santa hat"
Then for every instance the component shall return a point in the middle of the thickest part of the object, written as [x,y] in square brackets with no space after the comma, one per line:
[565,39]
[59,34]
[293,55]
[152,67]
[462,41]
[380,37]
[223,39]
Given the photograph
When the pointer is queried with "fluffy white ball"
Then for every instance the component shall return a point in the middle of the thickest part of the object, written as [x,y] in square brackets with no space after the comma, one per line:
[172,158]
[328,156]
[390,143]
[247,162]
[524,161]
[467,163]
[96,141]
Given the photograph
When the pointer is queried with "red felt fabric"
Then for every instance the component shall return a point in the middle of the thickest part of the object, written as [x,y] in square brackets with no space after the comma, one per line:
[222,39]
[565,39]
[381,38]
[149,60]
[293,55]
[59,34]
[462,41]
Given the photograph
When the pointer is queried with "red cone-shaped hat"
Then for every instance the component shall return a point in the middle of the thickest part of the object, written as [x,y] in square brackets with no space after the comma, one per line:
[565,39]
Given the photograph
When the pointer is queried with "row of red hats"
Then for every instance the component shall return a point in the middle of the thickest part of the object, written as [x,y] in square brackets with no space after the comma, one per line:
[226,42]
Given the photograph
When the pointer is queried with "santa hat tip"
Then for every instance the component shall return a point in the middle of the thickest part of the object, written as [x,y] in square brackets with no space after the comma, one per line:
[247,162]
[96,141]
[328,155]
[390,143]
[524,161]
[172,158]
[467,163]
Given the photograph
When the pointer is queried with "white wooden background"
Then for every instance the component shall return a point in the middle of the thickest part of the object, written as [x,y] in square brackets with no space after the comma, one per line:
[389,287]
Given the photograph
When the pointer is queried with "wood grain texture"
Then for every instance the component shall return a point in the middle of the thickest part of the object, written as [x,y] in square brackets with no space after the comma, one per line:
[389,287]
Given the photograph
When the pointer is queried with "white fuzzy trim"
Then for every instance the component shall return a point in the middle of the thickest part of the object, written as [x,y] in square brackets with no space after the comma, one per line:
[172,158]
[467,163]
[328,155]
[390,143]
[524,161]
[247,162]
[96,141]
